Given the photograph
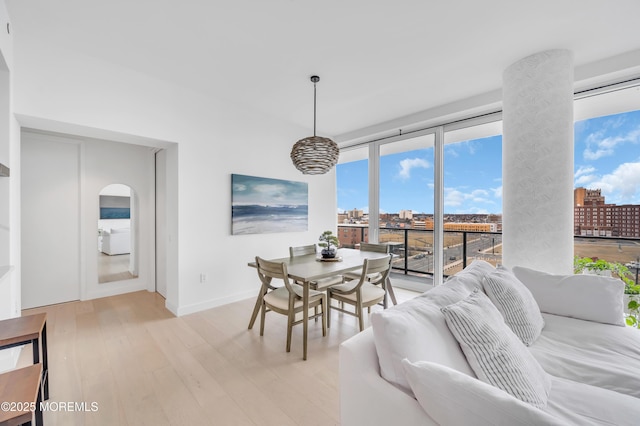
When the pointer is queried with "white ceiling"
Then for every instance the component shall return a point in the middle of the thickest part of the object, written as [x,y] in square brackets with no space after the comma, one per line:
[378,60]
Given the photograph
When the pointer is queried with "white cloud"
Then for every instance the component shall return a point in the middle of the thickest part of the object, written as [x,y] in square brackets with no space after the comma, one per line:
[584,176]
[599,146]
[497,192]
[452,152]
[622,185]
[455,198]
[583,170]
[584,180]
[408,164]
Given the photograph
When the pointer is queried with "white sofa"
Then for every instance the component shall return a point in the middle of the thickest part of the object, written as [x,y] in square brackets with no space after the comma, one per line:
[591,360]
[116,241]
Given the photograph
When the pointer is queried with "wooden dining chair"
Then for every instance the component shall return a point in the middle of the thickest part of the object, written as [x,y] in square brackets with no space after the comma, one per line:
[363,292]
[378,248]
[321,284]
[286,300]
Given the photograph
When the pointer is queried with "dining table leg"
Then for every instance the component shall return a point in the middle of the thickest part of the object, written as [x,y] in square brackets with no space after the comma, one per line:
[305,317]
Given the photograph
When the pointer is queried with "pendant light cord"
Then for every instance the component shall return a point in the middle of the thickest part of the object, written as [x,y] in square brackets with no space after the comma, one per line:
[314,108]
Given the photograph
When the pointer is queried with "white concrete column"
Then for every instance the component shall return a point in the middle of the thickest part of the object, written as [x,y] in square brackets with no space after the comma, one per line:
[537,162]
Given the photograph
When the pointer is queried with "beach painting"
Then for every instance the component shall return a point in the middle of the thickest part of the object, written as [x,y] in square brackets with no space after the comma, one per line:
[115,207]
[262,205]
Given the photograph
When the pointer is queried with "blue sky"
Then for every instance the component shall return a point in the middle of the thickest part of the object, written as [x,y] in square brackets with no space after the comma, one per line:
[607,156]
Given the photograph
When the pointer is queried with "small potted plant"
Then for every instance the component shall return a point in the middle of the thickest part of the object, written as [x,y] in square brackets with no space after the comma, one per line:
[330,244]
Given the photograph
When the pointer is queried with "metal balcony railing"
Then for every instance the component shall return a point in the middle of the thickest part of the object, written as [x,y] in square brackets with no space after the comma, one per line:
[414,248]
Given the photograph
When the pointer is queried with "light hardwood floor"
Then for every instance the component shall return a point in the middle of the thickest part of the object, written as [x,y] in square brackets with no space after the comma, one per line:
[113,268]
[143,366]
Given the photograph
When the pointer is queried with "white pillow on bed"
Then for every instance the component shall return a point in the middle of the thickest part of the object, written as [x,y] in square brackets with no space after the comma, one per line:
[495,353]
[453,398]
[587,297]
[416,329]
[516,304]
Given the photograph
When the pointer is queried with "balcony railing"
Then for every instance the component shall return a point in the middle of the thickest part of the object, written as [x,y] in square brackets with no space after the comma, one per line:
[414,248]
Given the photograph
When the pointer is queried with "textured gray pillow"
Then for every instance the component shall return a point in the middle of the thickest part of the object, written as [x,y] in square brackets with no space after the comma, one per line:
[516,304]
[495,354]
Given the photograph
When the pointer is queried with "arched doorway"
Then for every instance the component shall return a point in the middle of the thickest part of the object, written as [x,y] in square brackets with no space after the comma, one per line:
[117,234]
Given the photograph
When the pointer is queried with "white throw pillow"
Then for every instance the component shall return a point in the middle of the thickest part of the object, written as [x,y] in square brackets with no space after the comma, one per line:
[416,329]
[587,297]
[516,304]
[495,354]
[453,398]
[473,274]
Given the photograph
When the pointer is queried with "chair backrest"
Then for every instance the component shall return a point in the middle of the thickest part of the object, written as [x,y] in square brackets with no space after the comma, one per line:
[378,248]
[302,250]
[267,270]
[381,266]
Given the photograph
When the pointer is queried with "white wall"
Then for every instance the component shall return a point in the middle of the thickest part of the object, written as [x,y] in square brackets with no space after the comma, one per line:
[57,90]
[9,194]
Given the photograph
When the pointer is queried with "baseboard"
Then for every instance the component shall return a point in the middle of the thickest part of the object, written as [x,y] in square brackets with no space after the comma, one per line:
[208,304]
[172,307]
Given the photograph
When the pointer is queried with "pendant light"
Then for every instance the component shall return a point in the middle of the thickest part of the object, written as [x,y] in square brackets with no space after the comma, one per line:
[315,155]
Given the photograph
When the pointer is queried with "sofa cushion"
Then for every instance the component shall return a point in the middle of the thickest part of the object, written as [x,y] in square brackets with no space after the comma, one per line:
[416,329]
[586,297]
[590,352]
[495,354]
[451,397]
[516,304]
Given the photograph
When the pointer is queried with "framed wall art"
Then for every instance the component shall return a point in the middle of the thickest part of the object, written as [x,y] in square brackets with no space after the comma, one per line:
[263,205]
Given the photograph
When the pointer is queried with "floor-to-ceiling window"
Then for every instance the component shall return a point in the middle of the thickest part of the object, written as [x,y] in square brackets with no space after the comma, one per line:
[406,216]
[472,201]
[607,179]
[472,184]
[352,176]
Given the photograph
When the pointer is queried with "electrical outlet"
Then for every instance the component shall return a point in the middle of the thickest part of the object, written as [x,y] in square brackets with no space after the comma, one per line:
[203,277]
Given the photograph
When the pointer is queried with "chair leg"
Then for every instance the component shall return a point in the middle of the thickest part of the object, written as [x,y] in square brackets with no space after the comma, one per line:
[359,310]
[263,311]
[290,318]
[328,310]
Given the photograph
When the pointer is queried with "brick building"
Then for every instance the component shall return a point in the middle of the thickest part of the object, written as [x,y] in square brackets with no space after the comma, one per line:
[593,216]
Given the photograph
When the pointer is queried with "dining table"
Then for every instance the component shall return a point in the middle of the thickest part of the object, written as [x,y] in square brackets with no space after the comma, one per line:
[309,268]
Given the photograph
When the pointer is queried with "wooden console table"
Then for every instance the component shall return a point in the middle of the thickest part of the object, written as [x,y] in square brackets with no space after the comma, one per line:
[20,395]
[24,330]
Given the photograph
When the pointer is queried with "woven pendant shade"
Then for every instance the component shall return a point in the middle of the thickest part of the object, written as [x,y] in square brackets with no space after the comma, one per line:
[315,155]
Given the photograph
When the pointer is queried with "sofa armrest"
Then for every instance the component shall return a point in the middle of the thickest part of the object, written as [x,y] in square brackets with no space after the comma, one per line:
[367,398]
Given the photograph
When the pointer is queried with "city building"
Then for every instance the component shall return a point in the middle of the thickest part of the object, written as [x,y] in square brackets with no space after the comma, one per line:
[594,217]
[352,234]
[355,214]
[470,227]
[406,214]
